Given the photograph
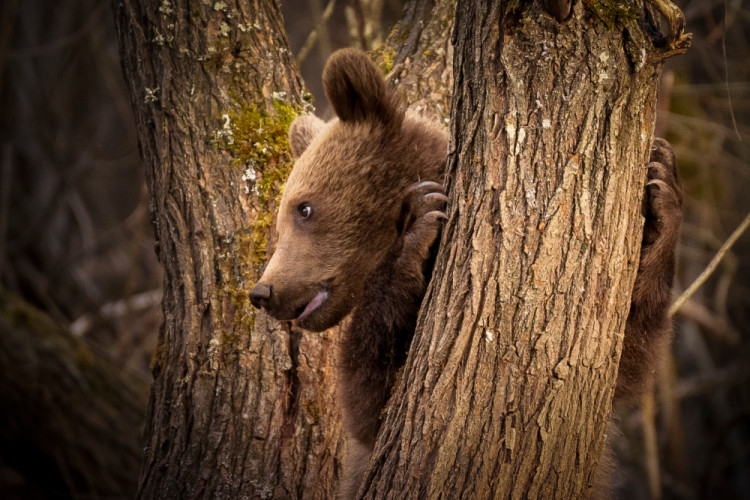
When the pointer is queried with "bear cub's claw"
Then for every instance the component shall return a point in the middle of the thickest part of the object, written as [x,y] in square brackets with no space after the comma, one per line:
[419,224]
[419,199]
[662,199]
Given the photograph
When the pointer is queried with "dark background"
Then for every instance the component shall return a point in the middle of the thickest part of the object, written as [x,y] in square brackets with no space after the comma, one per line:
[76,240]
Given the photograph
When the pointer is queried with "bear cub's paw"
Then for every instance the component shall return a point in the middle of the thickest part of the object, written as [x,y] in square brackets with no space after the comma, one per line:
[662,200]
[419,223]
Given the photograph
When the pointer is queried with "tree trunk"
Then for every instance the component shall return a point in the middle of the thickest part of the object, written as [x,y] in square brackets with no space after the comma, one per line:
[241,406]
[508,385]
[420,53]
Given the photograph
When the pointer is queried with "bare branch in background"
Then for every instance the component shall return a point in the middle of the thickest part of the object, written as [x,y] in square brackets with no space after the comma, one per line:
[358,24]
[726,70]
[118,309]
[711,266]
[651,445]
[714,323]
[314,34]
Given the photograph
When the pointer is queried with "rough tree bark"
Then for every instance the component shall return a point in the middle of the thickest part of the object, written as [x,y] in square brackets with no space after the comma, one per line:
[520,333]
[508,386]
[241,406]
[419,53]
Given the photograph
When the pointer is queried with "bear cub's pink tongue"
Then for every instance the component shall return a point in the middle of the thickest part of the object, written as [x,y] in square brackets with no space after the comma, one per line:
[313,304]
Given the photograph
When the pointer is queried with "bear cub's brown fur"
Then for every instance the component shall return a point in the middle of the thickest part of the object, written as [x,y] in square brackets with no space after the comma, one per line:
[359,214]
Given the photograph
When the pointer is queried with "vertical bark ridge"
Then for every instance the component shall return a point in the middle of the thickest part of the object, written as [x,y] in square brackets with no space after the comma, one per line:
[419,55]
[551,126]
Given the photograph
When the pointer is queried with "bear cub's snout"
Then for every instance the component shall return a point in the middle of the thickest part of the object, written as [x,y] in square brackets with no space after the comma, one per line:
[260,295]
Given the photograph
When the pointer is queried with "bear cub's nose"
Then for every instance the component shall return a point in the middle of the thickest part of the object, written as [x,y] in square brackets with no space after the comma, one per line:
[260,294]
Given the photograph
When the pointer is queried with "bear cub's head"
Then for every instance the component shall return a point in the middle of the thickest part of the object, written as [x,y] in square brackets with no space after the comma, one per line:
[339,213]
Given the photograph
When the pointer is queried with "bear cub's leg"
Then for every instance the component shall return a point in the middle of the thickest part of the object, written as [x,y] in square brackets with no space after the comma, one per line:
[376,341]
[647,331]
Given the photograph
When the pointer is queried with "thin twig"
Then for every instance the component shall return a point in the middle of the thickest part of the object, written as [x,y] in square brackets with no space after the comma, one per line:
[716,324]
[711,266]
[62,42]
[734,374]
[672,435]
[313,36]
[650,444]
[117,309]
[726,70]
[359,17]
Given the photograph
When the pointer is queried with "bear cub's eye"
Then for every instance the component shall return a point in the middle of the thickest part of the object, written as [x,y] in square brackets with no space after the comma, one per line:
[305,210]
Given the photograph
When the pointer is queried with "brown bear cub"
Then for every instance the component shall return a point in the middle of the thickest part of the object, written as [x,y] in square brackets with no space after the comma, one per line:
[360,213]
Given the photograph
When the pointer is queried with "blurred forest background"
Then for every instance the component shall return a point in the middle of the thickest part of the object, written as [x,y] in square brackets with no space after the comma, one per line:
[77,249]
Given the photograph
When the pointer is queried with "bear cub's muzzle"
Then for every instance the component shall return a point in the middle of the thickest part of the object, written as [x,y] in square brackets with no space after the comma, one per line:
[260,295]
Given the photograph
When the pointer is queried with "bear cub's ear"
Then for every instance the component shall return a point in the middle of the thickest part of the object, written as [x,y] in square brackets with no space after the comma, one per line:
[358,92]
[302,131]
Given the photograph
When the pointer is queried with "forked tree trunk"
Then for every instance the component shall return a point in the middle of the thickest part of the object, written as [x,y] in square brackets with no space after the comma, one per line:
[508,386]
[241,407]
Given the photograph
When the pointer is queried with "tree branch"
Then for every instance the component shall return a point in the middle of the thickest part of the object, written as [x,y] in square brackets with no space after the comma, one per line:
[711,266]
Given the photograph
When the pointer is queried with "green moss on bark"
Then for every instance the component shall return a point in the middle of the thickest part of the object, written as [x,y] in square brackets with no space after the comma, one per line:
[383,58]
[255,136]
[614,14]
[257,140]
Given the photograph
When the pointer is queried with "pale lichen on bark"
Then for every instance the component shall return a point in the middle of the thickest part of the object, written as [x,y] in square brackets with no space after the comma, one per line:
[235,410]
